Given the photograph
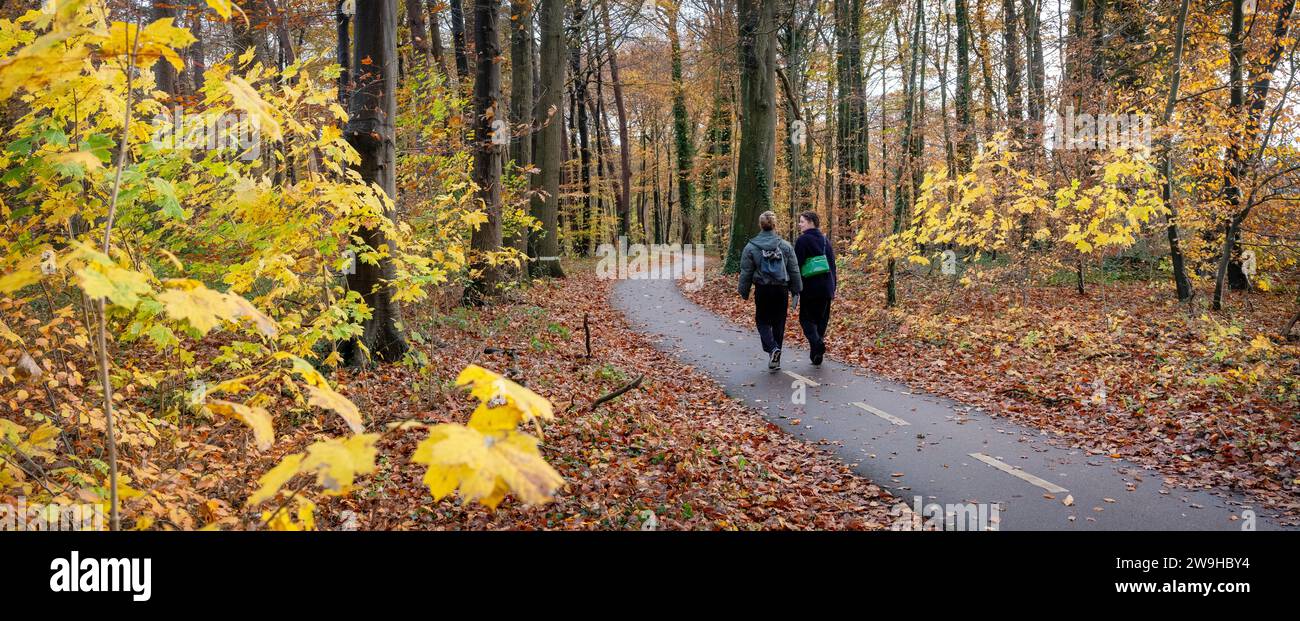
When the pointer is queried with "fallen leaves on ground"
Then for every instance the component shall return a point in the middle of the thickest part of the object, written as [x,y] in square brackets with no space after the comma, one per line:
[675,450]
[1123,372]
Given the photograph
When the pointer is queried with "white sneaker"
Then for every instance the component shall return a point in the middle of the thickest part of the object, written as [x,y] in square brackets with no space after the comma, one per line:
[774,362]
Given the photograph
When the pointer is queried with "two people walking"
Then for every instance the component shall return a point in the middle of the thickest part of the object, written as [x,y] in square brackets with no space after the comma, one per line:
[780,275]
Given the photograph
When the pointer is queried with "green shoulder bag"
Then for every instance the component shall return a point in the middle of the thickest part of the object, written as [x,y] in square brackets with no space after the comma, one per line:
[815,266]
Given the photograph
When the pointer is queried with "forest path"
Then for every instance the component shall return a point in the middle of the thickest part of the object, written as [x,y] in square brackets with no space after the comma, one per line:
[922,448]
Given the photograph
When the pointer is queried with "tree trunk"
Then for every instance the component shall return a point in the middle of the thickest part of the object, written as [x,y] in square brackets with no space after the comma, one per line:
[370,131]
[850,107]
[624,137]
[965,126]
[658,219]
[1011,47]
[604,164]
[907,144]
[582,128]
[458,39]
[487,148]
[435,35]
[714,192]
[197,53]
[251,33]
[545,205]
[419,33]
[986,67]
[758,123]
[287,54]
[521,98]
[681,131]
[641,192]
[1181,283]
[344,52]
[165,76]
[1036,73]
[1243,148]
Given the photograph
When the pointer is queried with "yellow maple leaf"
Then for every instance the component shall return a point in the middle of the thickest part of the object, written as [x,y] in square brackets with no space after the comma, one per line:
[485,467]
[205,309]
[497,392]
[9,335]
[337,462]
[158,40]
[222,7]
[88,160]
[245,98]
[202,307]
[30,67]
[283,520]
[257,419]
[276,477]
[120,286]
[324,397]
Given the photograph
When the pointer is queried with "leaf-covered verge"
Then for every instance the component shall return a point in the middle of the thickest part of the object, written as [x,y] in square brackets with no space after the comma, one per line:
[675,446]
[1206,399]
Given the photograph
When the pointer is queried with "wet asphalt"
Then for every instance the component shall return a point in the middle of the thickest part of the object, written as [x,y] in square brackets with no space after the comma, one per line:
[928,451]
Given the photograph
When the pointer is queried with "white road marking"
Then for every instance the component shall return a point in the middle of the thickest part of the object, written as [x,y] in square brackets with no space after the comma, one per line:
[881,413]
[801,378]
[1020,474]
[719,341]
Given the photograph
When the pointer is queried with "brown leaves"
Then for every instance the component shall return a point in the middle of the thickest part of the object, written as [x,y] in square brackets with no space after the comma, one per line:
[676,448]
[1122,374]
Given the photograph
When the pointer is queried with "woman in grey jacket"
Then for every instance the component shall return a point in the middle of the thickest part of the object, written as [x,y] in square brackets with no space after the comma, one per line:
[768,266]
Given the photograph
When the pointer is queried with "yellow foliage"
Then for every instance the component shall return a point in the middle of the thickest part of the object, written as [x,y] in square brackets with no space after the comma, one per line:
[119,286]
[222,7]
[283,520]
[205,309]
[276,477]
[336,463]
[203,240]
[158,40]
[246,98]
[498,393]
[485,467]
[257,419]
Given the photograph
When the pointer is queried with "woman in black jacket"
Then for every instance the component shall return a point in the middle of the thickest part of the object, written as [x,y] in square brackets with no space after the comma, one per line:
[818,289]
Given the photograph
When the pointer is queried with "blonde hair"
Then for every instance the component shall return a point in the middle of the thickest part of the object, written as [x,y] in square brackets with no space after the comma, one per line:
[767,221]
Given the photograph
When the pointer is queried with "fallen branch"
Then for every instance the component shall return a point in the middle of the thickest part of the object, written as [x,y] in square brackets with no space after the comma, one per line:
[616,394]
[586,329]
[1286,332]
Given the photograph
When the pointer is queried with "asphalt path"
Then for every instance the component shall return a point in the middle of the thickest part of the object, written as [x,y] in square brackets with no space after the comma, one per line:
[953,465]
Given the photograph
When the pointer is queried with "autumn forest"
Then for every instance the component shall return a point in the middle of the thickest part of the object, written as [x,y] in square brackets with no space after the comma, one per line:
[364,264]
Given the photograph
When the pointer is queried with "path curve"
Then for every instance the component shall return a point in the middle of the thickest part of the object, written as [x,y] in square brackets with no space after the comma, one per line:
[922,448]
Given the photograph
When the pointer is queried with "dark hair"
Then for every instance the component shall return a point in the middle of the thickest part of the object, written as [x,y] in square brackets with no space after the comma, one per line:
[811,216]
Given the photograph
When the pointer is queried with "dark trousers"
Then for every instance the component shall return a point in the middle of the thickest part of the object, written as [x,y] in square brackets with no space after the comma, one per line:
[770,305]
[814,315]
